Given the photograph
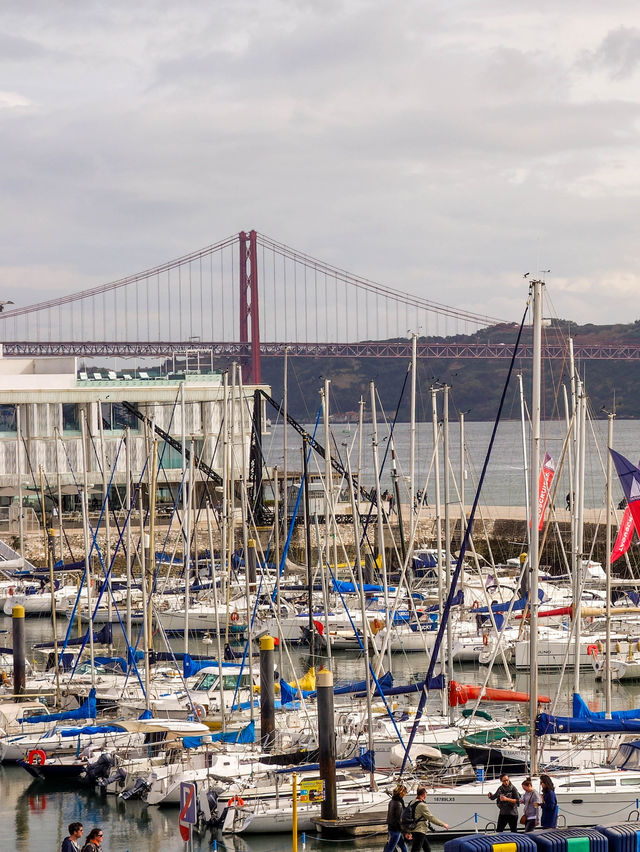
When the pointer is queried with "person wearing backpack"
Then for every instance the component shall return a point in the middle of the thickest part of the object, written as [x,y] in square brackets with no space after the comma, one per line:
[423,820]
[394,820]
[508,799]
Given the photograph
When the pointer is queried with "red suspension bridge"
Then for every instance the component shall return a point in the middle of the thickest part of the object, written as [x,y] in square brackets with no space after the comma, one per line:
[248,297]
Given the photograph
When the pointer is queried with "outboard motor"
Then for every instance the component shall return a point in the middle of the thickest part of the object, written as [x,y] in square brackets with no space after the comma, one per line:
[138,790]
[101,768]
[118,778]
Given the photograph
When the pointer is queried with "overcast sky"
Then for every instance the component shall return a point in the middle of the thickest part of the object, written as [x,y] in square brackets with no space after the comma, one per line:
[444,148]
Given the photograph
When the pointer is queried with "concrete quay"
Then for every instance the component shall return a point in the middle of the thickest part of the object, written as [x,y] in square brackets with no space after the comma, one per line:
[499,532]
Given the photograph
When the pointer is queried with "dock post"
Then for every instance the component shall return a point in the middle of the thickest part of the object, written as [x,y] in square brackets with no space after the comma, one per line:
[251,561]
[19,681]
[327,743]
[267,705]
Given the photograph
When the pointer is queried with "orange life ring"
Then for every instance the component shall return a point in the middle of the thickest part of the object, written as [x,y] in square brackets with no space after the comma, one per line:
[235,617]
[475,605]
[485,639]
[236,800]
[592,650]
[200,711]
[39,754]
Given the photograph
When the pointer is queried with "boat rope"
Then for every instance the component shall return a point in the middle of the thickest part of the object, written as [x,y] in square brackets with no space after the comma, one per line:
[465,542]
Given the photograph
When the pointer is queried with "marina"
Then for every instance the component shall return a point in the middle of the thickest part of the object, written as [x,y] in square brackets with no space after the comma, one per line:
[224,665]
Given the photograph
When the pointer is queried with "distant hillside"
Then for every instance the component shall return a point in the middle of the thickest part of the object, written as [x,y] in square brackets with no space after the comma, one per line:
[476,385]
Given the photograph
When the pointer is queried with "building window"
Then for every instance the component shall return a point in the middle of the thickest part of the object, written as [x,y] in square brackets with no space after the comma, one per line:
[8,418]
[70,417]
[116,417]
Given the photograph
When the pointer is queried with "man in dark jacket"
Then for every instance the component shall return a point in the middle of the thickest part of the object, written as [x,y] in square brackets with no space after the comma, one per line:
[508,799]
[72,842]
[394,815]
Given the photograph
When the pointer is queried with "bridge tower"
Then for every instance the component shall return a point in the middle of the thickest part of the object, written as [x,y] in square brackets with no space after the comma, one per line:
[249,303]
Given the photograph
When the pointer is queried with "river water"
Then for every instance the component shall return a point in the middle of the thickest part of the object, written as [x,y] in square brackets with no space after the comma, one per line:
[34,817]
[504,483]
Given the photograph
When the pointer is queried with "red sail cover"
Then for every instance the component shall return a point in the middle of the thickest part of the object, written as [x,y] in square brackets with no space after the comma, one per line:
[544,487]
[460,693]
[625,534]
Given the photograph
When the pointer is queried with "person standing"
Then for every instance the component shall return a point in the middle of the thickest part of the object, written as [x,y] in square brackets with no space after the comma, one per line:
[549,805]
[530,801]
[394,820]
[94,841]
[508,799]
[72,842]
[423,817]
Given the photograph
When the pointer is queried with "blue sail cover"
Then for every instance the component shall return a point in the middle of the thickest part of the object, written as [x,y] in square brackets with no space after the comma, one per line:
[91,729]
[291,693]
[191,666]
[360,685]
[504,607]
[436,682]
[87,710]
[345,588]
[547,724]
[246,735]
[366,760]
[585,721]
[100,637]
[581,711]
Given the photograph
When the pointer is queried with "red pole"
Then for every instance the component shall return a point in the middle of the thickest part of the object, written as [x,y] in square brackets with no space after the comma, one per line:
[249,303]
[254,308]
[244,306]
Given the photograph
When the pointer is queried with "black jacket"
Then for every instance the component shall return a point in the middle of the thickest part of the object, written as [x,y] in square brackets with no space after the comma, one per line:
[394,813]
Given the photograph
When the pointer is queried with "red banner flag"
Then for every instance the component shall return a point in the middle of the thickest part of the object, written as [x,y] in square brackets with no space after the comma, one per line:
[625,534]
[544,487]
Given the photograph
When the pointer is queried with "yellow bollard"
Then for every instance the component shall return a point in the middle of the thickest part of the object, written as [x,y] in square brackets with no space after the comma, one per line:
[294,799]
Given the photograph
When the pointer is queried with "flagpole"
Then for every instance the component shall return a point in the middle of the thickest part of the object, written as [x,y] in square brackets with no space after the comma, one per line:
[536,287]
[607,652]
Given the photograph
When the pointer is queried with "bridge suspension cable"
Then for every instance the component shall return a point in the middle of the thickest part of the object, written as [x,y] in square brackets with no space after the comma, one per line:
[206,295]
[371,286]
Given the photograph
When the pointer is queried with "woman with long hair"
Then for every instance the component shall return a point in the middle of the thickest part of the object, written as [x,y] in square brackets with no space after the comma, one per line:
[549,805]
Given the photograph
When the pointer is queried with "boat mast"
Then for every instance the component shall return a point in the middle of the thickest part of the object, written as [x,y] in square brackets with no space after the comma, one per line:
[438,508]
[534,558]
[527,486]
[578,499]
[366,634]
[328,513]
[127,449]
[607,648]
[85,535]
[285,423]
[447,533]
[412,434]
[380,515]
[185,531]
[463,514]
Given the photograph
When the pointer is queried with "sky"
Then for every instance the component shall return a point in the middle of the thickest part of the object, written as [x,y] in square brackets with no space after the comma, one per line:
[442,148]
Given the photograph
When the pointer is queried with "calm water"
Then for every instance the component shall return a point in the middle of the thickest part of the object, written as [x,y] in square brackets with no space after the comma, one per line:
[504,483]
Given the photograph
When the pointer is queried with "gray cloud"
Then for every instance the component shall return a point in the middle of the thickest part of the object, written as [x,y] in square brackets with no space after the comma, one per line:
[618,54]
[440,148]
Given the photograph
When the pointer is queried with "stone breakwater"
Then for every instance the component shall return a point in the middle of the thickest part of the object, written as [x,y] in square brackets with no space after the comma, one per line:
[500,533]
